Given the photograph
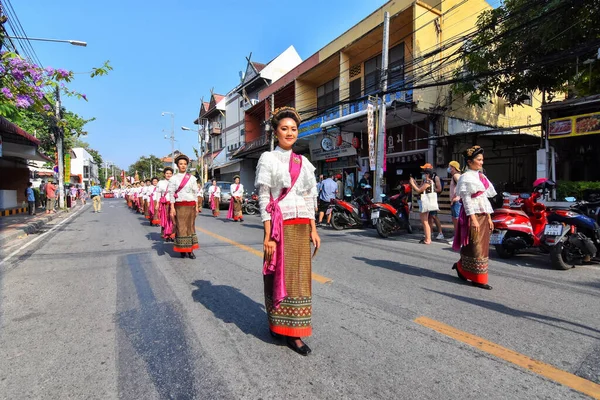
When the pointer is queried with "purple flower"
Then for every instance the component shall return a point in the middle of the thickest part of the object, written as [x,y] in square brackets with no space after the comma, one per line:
[7,93]
[63,73]
[46,107]
[84,97]
[49,70]
[17,74]
[23,101]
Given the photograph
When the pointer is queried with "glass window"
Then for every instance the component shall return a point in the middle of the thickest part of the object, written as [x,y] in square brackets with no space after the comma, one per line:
[395,70]
[328,94]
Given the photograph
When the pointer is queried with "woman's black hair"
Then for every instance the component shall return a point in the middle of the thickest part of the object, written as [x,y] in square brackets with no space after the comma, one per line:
[472,152]
[167,169]
[153,178]
[284,112]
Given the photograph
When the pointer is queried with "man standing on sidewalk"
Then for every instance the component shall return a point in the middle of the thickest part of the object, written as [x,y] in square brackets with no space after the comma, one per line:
[96,192]
[51,197]
[30,198]
[327,192]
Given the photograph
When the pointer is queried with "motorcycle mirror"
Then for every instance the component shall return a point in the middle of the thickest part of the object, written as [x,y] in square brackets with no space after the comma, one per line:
[382,195]
[570,199]
[524,196]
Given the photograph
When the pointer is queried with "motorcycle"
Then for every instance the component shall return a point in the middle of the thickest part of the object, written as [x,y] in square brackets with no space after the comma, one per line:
[392,215]
[573,238]
[536,226]
[250,204]
[356,214]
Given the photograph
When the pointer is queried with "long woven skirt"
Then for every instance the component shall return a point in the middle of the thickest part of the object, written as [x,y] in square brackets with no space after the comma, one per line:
[294,314]
[237,209]
[185,227]
[156,216]
[216,206]
[146,209]
[474,257]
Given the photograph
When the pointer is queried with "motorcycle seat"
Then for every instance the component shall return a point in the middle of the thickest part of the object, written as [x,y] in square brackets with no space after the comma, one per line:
[510,211]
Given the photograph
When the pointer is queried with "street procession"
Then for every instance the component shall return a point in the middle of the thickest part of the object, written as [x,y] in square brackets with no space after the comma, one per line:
[381,200]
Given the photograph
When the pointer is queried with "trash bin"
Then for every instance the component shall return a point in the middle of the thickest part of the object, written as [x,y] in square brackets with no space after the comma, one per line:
[68,201]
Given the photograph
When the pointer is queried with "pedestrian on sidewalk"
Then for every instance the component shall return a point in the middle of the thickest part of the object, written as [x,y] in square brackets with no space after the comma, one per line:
[426,193]
[472,236]
[433,215]
[455,204]
[214,198]
[327,193]
[96,193]
[50,197]
[183,194]
[287,198]
[30,198]
[43,193]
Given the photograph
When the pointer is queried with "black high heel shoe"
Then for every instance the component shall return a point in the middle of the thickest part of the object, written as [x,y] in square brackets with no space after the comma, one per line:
[192,255]
[303,350]
[182,255]
[482,285]
[460,276]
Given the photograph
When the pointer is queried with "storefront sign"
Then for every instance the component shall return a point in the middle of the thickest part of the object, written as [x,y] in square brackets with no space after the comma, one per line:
[578,125]
[318,152]
[371,134]
[67,167]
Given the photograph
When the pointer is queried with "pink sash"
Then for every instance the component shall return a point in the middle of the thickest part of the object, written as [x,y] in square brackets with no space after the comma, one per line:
[151,204]
[211,198]
[230,212]
[277,264]
[184,182]
[461,235]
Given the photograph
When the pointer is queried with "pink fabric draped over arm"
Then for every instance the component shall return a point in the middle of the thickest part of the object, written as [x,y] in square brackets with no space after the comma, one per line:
[461,235]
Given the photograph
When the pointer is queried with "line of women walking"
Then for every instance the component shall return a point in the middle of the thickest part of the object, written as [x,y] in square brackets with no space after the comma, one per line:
[172,204]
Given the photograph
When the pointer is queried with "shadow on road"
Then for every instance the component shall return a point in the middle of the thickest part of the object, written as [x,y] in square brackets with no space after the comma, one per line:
[232,306]
[543,319]
[411,270]
[160,246]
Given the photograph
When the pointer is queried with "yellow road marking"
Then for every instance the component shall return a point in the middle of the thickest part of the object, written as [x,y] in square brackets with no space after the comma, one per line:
[316,277]
[546,370]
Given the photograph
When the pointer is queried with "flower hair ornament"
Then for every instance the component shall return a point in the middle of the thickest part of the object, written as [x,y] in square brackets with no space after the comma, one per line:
[473,152]
[286,109]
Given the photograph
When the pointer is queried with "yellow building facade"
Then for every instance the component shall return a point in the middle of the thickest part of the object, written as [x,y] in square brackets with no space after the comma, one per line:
[426,123]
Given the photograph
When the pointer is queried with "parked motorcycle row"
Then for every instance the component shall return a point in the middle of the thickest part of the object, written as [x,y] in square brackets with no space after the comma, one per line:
[570,235]
[388,216]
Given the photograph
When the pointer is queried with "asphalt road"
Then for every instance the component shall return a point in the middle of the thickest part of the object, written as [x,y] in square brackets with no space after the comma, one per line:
[97,307]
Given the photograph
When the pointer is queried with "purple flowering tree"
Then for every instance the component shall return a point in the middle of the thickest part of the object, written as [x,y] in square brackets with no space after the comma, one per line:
[26,86]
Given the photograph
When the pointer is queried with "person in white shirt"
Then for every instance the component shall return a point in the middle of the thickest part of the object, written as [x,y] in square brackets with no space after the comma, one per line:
[146,197]
[200,196]
[475,223]
[153,203]
[237,194]
[164,206]
[288,199]
[214,198]
[183,194]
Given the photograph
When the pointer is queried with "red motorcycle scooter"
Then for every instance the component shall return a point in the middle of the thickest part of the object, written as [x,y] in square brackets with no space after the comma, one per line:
[523,225]
[355,214]
[392,216]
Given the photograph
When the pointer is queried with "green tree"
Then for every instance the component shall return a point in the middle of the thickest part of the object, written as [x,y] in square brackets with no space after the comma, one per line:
[532,45]
[142,166]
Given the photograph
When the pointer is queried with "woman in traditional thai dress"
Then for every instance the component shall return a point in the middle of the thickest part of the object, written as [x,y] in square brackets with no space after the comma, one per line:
[200,196]
[288,199]
[472,236]
[183,194]
[164,206]
[214,198]
[146,194]
[153,201]
[235,204]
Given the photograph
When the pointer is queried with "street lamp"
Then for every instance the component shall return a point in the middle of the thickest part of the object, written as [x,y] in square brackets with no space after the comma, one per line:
[73,42]
[172,136]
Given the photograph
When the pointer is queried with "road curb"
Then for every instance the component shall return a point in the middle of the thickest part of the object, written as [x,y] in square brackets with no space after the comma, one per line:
[33,227]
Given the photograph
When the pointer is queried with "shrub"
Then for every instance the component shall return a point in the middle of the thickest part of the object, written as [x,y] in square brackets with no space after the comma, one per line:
[575,189]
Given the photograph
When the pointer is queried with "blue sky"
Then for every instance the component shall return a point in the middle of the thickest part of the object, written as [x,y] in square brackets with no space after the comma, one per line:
[167,55]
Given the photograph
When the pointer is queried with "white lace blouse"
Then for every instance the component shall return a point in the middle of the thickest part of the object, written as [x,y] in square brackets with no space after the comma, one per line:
[188,193]
[161,189]
[469,184]
[272,176]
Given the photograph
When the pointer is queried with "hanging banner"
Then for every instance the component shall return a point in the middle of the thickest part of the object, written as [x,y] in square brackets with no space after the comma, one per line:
[371,134]
[67,167]
[107,187]
[578,125]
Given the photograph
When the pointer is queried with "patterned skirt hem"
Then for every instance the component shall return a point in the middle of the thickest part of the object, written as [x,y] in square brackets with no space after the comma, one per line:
[291,332]
[180,249]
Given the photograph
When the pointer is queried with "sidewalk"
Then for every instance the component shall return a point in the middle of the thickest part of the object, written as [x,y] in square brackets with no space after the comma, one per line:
[14,226]
[447,228]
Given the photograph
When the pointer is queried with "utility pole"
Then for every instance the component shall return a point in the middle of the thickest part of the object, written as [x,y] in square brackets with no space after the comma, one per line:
[206,140]
[380,157]
[272,128]
[59,151]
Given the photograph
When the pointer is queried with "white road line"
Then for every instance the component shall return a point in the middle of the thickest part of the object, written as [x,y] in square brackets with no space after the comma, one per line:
[23,247]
